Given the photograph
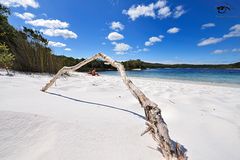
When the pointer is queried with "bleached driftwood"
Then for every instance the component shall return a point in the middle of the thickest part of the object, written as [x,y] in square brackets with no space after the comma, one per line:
[155,123]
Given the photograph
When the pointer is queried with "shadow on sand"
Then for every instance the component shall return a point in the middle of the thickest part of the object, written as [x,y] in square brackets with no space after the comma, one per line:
[98,104]
[183,149]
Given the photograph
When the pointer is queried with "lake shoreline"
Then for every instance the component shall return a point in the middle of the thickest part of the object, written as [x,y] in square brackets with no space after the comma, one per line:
[221,77]
[181,81]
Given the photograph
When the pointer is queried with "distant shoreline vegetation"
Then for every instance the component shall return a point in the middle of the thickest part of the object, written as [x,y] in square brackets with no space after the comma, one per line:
[32,53]
[138,64]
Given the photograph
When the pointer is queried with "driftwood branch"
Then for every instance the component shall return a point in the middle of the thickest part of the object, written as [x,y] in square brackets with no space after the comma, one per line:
[146,131]
[155,123]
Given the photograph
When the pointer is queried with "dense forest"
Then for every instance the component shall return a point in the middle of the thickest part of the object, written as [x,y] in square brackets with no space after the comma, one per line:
[32,54]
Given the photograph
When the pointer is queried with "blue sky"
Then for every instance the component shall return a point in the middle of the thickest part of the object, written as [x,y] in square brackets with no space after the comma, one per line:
[177,31]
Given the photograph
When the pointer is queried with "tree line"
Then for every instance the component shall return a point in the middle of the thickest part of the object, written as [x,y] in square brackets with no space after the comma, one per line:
[132,64]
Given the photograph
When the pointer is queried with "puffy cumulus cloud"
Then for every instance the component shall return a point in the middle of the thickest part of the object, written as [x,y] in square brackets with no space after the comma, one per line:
[67,49]
[209,41]
[25,16]
[153,40]
[207,25]
[219,51]
[55,28]
[158,9]
[179,11]
[48,23]
[18,3]
[160,4]
[140,10]
[164,12]
[56,44]
[59,32]
[114,36]
[173,30]
[116,26]
[234,32]
[121,48]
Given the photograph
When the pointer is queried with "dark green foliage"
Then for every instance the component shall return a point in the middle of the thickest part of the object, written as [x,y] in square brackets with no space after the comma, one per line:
[34,36]
[4,11]
[133,64]
[98,64]
[234,65]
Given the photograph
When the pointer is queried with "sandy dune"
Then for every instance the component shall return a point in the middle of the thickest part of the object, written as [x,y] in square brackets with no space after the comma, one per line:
[85,117]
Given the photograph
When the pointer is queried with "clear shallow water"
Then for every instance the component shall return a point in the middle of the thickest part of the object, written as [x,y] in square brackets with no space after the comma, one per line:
[227,76]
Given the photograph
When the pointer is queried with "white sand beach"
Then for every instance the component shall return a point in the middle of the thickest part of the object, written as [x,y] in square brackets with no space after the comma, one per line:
[89,118]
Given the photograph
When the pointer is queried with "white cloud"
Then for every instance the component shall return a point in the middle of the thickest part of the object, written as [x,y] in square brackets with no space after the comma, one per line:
[234,32]
[219,51]
[158,9]
[179,11]
[67,49]
[147,43]
[153,40]
[160,4]
[236,50]
[209,41]
[48,23]
[121,48]
[117,26]
[55,28]
[164,12]
[18,3]
[173,30]
[25,16]
[114,36]
[59,32]
[141,50]
[208,25]
[56,44]
[140,10]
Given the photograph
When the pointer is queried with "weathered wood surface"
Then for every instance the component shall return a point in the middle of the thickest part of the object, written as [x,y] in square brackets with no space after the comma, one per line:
[155,123]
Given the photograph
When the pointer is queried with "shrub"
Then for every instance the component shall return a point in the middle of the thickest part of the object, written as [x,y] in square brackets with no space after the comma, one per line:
[6,58]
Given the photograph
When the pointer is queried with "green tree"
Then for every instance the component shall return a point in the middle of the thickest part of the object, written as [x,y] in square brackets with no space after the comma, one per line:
[35,36]
[6,58]
[4,10]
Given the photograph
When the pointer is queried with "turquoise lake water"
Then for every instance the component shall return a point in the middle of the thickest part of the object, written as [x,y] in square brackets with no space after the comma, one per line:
[227,76]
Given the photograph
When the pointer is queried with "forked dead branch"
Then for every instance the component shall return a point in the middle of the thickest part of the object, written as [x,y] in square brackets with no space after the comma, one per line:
[155,124]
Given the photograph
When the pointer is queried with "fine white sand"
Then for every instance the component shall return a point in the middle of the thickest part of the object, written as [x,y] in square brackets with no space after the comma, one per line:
[89,118]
